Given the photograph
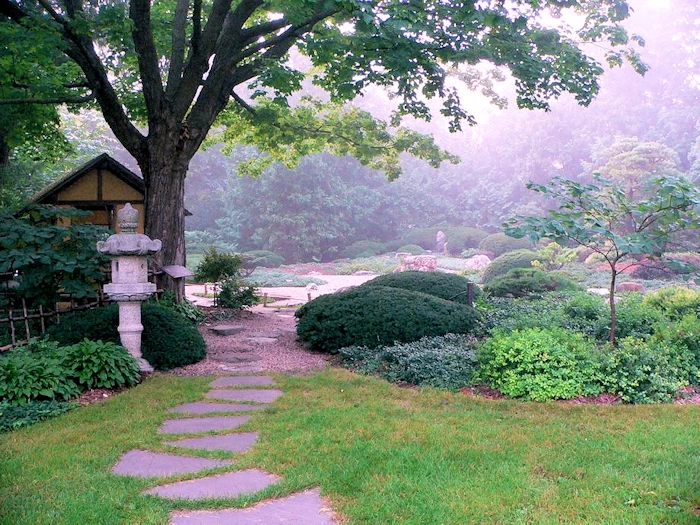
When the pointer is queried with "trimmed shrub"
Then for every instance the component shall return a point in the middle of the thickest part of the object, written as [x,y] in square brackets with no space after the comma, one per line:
[423,237]
[684,335]
[500,243]
[674,302]
[13,417]
[413,249]
[379,315]
[507,262]
[168,339]
[521,282]
[586,313]
[236,294]
[445,362]
[216,266]
[264,258]
[644,372]
[540,365]
[363,249]
[449,286]
[461,238]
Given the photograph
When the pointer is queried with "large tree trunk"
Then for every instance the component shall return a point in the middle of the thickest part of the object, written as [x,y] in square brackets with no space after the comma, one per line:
[164,174]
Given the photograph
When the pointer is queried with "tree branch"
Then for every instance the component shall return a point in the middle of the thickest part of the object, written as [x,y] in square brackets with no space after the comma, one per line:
[48,100]
[177,56]
[142,34]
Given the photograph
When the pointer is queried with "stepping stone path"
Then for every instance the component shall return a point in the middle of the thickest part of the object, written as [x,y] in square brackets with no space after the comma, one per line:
[304,508]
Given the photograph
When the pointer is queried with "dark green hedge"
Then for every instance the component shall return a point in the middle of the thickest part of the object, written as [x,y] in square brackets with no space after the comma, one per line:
[521,282]
[379,315]
[168,341]
[508,261]
[449,286]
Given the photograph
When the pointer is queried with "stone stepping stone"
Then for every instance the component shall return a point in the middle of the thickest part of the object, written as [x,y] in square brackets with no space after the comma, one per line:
[146,464]
[238,442]
[227,485]
[305,508]
[241,368]
[208,408]
[223,382]
[261,340]
[202,424]
[227,329]
[236,357]
[259,396]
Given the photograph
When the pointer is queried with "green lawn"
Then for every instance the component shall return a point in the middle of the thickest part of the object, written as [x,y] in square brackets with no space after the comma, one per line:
[382,454]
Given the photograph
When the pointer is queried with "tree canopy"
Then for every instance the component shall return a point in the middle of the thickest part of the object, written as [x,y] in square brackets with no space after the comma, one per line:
[163,72]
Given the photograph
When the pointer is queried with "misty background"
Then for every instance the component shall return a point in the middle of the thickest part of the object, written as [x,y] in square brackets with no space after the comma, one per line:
[637,127]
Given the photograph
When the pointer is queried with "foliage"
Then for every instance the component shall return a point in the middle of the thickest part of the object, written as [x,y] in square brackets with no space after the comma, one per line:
[412,249]
[95,364]
[382,264]
[25,376]
[363,249]
[460,238]
[553,257]
[502,264]
[520,282]
[51,259]
[645,371]
[634,318]
[539,364]
[14,416]
[264,258]
[279,278]
[168,339]
[235,294]
[585,313]
[683,335]
[497,244]
[607,220]
[378,315]
[675,302]
[448,286]
[186,308]
[217,266]
[445,362]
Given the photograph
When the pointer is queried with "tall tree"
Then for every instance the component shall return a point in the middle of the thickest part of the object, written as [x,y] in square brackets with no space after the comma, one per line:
[174,66]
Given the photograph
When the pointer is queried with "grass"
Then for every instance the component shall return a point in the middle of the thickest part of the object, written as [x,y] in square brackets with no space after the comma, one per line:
[382,454]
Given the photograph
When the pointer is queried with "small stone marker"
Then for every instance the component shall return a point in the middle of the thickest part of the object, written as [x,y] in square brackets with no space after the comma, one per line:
[258,396]
[227,485]
[145,464]
[227,329]
[305,508]
[202,424]
[238,442]
[242,380]
[209,408]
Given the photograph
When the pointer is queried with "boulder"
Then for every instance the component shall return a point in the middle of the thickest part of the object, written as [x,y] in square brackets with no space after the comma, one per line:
[629,287]
[418,263]
[477,262]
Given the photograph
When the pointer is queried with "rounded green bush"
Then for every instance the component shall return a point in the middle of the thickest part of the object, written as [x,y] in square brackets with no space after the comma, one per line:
[460,238]
[379,315]
[423,237]
[634,319]
[500,243]
[363,249]
[264,258]
[675,301]
[168,341]
[540,364]
[521,282]
[449,286]
[413,249]
[508,261]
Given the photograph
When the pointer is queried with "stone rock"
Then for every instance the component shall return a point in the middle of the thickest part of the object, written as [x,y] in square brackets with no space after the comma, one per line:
[477,262]
[364,272]
[311,287]
[242,380]
[629,287]
[212,408]
[221,486]
[261,340]
[235,357]
[146,464]
[418,263]
[254,395]
[237,442]
[201,424]
[227,329]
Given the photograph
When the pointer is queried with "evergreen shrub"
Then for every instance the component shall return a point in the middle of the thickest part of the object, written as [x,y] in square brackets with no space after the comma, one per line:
[684,335]
[264,258]
[449,286]
[675,302]
[379,315]
[634,318]
[508,261]
[500,243]
[216,266]
[236,294]
[169,340]
[413,249]
[423,237]
[363,249]
[462,238]
[540,364]
[445,361]
[521,282]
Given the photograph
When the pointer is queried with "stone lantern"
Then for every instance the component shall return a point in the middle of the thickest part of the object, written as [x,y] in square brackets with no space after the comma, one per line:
[130,287]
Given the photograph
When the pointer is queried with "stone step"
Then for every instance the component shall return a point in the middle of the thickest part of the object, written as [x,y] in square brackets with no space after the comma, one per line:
[147,464]
[235,357]
[202,424]
[227,329]
[227,485]
[209,408]
[242,368]
[237,442]
[223,382]
[304,508]
[258,396]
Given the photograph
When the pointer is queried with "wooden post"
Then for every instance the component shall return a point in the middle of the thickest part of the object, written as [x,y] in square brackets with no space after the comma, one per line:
[41,316]
[26,320]
[13,340]
[308,297]
[265,300]
[470,294]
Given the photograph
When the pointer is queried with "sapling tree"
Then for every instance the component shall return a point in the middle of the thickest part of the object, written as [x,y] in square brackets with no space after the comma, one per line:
[603,218]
